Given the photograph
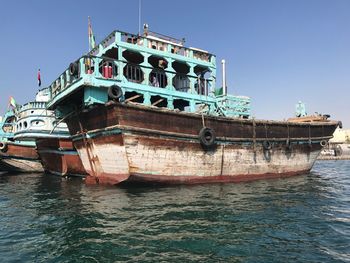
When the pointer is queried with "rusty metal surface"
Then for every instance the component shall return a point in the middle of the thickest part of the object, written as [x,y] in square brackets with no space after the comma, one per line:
[186,123]
[131,143]
[21,151]
[59,156]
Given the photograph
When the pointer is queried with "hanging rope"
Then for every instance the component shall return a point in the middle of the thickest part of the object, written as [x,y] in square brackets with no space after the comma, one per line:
[254,135]
[203,122]
[86,145]
[310,142]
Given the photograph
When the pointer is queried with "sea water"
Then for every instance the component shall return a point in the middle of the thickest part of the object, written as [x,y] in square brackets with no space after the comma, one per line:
[45,218]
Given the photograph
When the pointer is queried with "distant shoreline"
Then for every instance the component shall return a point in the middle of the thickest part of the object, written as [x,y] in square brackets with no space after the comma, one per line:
[343,157]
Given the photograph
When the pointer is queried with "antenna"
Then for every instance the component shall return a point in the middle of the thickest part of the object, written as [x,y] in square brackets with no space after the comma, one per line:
[140,17]
[224,87]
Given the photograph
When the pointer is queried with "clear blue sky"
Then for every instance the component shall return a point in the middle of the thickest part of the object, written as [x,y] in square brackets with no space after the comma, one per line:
[277,52]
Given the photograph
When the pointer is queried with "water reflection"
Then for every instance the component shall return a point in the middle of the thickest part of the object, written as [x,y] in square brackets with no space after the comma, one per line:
[299,218]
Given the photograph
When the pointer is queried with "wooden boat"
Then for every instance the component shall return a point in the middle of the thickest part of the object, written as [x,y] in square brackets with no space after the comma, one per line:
[59,156]
[16,156]
[145,109]
[52,142]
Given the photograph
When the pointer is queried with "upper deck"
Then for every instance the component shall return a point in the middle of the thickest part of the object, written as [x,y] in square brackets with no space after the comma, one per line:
[153,70]
[155,44]
[7,125]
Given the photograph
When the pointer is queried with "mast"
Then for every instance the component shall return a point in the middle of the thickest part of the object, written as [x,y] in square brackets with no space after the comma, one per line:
[140,17]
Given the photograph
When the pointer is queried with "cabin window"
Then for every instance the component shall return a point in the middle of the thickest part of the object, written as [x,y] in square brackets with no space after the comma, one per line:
[108,69]
[181,82]
[25,125]
[159,101]
[89,65]
[181,67]
[181,104]
[133,73]
[158,62]
[201,85]
[158,78]
[37,123]
[134,97]
[133,57]
[111,53]
[7,127]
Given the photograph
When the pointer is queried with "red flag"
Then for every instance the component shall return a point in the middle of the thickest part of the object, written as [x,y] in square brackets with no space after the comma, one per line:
[39,78]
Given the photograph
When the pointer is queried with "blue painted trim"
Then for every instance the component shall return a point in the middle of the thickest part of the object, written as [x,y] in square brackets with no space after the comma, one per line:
[60,152]
[126,131]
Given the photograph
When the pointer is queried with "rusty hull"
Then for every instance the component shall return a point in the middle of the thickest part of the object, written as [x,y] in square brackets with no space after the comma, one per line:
[59,157]
[118,142]
[20,158]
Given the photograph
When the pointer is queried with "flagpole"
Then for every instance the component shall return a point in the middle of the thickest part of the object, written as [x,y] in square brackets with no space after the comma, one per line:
[89,26]
[139,17]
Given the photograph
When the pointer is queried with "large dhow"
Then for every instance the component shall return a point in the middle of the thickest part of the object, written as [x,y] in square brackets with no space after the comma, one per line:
[37,125]
[144,109]
[17,155]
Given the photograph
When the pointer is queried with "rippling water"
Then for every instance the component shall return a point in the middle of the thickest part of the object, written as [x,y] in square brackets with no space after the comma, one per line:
[44,218]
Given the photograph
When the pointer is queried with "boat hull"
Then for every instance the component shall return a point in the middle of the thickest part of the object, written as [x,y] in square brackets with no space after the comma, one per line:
[20,158]
[59,157]
[119,143]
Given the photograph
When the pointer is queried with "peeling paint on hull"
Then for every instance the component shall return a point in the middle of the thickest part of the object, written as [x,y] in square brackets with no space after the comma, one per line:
[59,157]
[20,158]
[20,165]
[161,179]
[128,143]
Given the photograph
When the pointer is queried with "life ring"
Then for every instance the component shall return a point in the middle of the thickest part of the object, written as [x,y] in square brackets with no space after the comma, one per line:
[267,145]
[323,143]
[74,69]
[3,146]
[115,92]
[207,137]
[289,145]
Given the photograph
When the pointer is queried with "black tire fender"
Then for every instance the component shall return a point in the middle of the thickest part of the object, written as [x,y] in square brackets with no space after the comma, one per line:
[207,137]
[115,92]
[74,69]
[267,145]
[3,146]
[323,143]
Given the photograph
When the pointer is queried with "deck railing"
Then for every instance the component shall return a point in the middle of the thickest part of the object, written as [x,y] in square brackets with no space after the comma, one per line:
[32,105]
[101,69]
[235,106]
[114,69]
[155,41]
